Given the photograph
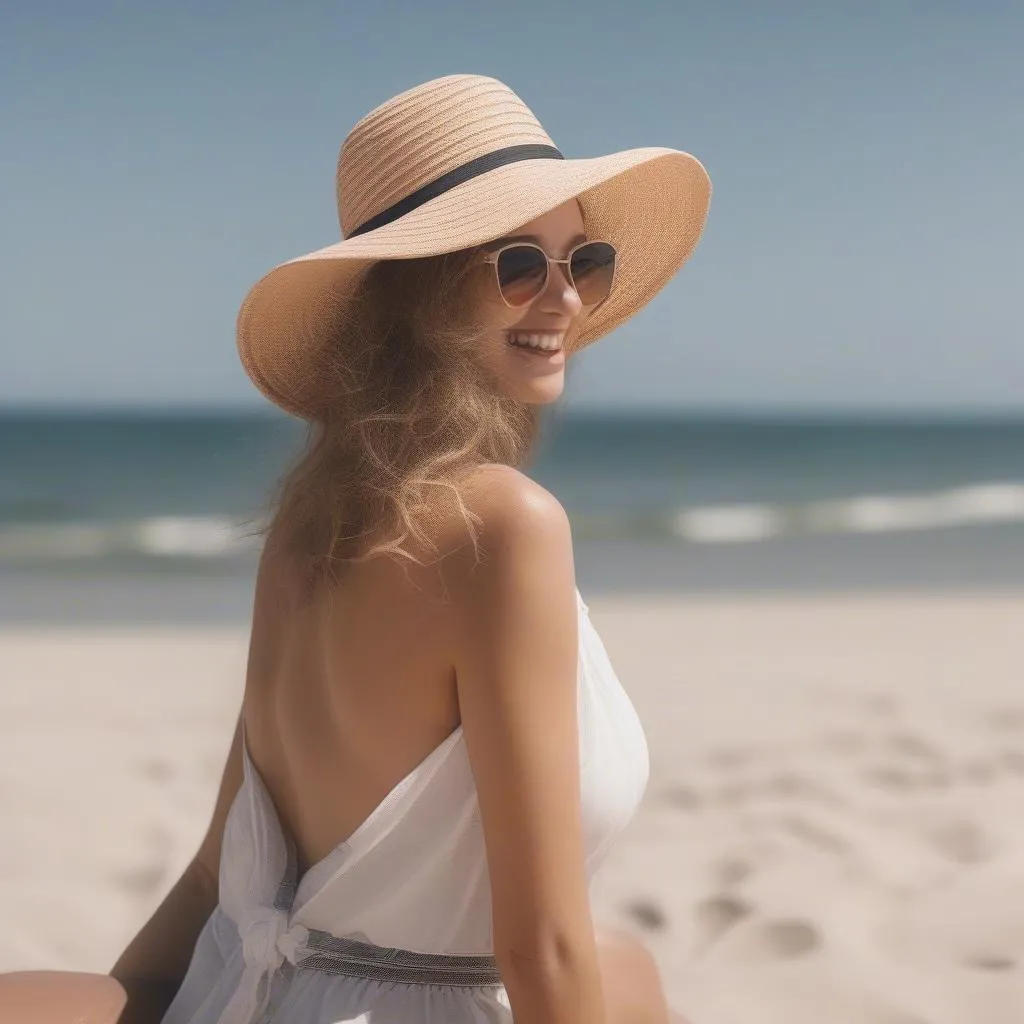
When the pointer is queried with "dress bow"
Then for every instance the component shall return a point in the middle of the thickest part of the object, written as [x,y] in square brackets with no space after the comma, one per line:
[267,941]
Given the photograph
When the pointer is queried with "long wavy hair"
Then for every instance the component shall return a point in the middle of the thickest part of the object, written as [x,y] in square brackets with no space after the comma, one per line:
[406,411]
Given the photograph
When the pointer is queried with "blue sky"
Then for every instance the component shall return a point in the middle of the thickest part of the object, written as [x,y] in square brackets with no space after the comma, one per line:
[865,247]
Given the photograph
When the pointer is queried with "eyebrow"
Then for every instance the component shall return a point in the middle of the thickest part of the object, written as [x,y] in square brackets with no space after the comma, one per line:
[498,243]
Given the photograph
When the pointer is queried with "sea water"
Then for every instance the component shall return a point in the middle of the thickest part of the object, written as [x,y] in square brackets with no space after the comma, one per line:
[156,516]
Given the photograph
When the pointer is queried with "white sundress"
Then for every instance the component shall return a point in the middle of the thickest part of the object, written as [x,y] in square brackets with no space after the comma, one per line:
[394,925]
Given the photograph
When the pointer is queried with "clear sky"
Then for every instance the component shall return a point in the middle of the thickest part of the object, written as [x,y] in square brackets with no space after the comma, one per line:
[865,246]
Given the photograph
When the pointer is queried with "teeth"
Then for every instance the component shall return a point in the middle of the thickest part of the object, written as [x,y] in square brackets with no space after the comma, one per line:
[546,342]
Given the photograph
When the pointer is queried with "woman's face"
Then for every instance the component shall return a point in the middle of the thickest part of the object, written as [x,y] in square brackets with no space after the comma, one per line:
[531,377]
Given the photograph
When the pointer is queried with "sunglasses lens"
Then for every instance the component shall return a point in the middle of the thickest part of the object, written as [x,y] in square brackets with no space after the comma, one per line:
[522,273]
[593,269]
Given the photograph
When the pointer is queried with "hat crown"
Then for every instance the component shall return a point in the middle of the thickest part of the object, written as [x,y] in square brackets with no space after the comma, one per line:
[421,134]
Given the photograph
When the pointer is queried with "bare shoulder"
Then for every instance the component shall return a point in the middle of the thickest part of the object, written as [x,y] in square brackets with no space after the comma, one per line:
[518,516]
[522,562]
[522,572]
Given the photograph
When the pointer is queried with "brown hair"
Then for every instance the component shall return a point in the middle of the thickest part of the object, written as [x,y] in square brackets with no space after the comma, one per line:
[406,411]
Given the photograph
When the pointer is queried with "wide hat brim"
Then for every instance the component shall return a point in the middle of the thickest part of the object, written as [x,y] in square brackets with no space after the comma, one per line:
[650,203]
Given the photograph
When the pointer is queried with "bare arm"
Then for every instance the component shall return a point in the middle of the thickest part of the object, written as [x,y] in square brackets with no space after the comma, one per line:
[154,963]
[516,667]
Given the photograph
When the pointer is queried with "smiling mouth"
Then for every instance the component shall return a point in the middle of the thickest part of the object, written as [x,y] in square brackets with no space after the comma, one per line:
[538,342]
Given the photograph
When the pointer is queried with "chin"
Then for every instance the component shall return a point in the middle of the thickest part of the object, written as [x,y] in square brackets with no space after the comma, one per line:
[548,398]
[539,392]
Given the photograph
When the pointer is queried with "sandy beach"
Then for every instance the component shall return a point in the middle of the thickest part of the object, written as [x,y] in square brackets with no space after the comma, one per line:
[833,831]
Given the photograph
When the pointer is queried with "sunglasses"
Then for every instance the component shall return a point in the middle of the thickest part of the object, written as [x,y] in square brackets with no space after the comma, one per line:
[522,270]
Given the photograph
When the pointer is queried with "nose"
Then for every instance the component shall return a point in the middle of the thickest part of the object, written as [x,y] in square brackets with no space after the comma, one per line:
[560,295]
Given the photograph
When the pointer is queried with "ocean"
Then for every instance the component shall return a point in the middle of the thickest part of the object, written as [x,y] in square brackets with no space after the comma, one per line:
[150,517]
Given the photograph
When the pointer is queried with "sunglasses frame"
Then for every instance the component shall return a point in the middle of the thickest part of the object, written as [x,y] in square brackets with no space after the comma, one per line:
[496,255]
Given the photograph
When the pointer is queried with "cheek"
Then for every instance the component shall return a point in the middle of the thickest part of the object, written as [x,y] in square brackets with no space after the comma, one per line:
[502,318]
[490,306]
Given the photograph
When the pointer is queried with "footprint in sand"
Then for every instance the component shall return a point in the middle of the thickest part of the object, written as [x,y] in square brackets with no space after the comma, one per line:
[788,939]
[684,797]
[647,914]
[879,705]
[961,841]
[1006,719]
[782,785]
[977,772]
[796,786]
[813,834]
[913,747]
[145,880]
[730,794]
[142,881]
[991,962]
[779,939]
[729,758]
[715,915]
[894,778]
[731,871]
[1011,761]
[157,769]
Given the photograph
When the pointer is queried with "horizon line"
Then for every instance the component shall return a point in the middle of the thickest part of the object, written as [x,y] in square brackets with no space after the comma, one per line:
[792,411]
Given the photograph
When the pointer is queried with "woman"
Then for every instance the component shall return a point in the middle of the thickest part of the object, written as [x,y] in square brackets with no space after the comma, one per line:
[433,753]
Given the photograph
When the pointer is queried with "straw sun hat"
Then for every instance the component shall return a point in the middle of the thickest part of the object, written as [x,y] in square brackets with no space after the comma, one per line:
[451,164]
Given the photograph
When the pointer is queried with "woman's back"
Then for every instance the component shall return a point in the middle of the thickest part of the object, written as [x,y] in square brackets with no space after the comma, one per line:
[347,690]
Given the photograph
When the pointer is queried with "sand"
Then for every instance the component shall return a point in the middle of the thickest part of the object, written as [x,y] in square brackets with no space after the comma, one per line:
[833,831]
